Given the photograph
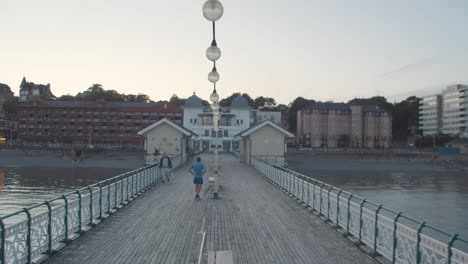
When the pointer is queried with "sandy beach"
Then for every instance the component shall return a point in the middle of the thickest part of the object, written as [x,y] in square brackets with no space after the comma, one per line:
[63,159]
[349,162]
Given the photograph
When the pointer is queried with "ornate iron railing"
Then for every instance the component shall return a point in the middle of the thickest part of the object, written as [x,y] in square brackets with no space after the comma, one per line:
[39,231]
[387,234]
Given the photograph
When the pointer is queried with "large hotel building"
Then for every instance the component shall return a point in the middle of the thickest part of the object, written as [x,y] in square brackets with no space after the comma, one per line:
[81,122]
[445,113]
[343,125]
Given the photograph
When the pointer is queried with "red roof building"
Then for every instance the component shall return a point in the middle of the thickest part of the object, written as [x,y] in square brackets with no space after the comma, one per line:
[80,122]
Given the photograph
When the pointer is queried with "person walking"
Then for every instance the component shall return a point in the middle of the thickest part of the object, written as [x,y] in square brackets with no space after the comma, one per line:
[165,165]
[198,169]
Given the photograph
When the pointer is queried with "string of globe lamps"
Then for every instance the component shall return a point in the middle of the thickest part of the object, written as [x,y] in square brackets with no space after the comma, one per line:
[213,11]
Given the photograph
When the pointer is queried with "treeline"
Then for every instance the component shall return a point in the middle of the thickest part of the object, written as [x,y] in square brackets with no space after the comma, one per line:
[404,113]
[96,93]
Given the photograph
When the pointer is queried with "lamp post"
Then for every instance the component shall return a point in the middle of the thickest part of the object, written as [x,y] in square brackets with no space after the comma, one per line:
[212,11]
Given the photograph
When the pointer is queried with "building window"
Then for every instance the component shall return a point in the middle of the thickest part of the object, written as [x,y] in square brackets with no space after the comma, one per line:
[213,133]
[226,133]
[207,133]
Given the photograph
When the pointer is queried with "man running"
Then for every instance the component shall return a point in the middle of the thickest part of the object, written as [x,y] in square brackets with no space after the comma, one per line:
[198,170]
[165,164]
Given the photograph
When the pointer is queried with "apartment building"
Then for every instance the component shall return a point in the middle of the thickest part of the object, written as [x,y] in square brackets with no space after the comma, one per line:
[342,125]
[445,113]
[455,109]
[430,115]
[80,122]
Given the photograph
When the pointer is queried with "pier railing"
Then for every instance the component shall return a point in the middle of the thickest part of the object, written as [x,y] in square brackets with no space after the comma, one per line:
[385,233]
[37,232]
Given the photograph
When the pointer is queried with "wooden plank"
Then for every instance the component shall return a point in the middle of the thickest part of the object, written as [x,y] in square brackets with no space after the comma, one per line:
[211,257]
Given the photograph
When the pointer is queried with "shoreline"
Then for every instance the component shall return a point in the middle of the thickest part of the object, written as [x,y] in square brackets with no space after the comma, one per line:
[118,160]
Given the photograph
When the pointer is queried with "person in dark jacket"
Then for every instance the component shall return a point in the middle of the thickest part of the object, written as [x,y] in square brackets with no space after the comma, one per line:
[165,164]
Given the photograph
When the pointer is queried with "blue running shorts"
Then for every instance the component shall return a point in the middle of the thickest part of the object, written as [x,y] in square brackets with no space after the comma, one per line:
[197,180]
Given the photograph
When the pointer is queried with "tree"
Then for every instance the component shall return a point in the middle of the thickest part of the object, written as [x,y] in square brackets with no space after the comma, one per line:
[10,104]
[298,104]
[264,103]
[228,100]
[379,101]
[249,99]
[66,97]
[130,98]
[405,115]
[142,98]
[177,101]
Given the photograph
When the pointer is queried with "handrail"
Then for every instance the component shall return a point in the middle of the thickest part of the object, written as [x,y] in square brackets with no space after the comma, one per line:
[37,231]
[387,233]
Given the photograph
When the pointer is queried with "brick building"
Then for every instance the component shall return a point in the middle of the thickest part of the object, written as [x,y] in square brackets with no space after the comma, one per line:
[7,125]
[343,125]
[80,122]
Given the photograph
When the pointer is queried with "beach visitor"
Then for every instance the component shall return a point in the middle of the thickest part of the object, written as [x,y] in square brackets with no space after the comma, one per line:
[165,164]
[198,170]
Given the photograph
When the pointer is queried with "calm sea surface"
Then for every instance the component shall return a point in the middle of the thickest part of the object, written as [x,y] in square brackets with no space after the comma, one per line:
[25,186]
[425,192]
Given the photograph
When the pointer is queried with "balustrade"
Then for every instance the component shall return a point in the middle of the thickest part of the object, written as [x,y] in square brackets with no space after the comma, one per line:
[387,233]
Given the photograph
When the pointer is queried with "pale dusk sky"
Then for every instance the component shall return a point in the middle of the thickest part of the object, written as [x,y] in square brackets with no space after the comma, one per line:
[322,50]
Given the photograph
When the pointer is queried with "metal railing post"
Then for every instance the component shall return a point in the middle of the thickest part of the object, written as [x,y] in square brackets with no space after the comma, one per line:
[128,185]
[49,228]
[313,196]
[302,193]
[66,218]
[28,235]
[121,190]
[338,208]
[376,230]
[308,192]
[349,214]
[360,220]
[115,193]
[100,201]
[108,198]
[395,221]
[90,206]
[418,242]
[2,243]
[133,185]
[321,189]
[79,211]
[328,208]
[450,245]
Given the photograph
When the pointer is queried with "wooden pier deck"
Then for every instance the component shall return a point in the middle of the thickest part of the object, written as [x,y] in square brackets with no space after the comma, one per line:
[254,220]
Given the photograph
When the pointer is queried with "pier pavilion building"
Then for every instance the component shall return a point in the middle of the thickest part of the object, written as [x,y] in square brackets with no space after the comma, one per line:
[234,119]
